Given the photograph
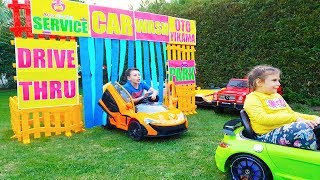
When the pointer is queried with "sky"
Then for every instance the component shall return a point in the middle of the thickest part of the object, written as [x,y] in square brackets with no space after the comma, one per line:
[121,4]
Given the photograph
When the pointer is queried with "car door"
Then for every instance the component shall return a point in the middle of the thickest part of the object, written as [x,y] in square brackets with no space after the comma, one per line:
[125,103]
[294,163]
[113,103]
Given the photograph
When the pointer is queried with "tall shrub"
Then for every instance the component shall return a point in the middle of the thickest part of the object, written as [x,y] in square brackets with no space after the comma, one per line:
[234,36]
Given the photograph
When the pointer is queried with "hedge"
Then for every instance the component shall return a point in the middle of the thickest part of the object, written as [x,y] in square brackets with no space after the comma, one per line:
[234,36]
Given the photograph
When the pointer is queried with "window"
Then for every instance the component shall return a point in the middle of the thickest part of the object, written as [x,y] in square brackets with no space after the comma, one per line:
[123,93]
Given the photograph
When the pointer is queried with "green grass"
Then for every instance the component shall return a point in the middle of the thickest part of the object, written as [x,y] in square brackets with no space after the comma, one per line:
[104,154]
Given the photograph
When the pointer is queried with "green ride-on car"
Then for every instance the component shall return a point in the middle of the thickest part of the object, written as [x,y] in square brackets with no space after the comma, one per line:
[246,158]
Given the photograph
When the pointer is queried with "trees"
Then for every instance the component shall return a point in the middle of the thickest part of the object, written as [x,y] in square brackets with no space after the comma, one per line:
[7,56]
[233,36]
[5,23]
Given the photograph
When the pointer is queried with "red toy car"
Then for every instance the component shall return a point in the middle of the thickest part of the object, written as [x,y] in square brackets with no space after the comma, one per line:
[233,95]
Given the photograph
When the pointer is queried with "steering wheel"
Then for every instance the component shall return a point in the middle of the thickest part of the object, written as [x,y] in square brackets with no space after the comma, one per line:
[147,99]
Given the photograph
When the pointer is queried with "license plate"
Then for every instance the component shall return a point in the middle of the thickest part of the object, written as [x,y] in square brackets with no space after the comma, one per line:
[226,97]
[225,103]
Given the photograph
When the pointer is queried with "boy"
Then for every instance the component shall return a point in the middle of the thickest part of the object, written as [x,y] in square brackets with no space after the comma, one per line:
[135,87]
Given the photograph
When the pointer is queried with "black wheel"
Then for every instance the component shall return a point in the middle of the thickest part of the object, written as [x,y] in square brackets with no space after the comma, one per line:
[247,167]
[108,125]
[136,131]
[218,110]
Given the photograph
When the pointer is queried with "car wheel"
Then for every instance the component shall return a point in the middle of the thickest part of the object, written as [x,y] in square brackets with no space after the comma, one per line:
[218,110]
[248,167]
[136,131]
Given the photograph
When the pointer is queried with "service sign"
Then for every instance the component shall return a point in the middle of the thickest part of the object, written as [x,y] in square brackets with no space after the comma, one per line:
[47,73]
[182,71]
[60,17]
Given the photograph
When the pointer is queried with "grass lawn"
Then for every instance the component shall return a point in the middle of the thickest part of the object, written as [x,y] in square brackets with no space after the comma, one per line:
[104,154]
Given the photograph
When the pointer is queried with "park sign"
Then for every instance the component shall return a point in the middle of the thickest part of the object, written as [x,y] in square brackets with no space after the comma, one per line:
[69,18]
[47,73]
[182,71]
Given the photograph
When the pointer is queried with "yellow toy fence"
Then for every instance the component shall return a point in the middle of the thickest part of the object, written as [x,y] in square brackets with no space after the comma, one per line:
[44,121]
[185,94]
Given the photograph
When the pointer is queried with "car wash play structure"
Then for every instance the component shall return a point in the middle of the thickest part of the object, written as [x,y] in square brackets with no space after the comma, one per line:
[54,39]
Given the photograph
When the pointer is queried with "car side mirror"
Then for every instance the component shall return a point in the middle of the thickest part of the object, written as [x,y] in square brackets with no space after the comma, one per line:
[129,105]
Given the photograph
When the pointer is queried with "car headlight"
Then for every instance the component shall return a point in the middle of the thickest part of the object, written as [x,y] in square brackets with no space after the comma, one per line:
[148,121]
[181,116]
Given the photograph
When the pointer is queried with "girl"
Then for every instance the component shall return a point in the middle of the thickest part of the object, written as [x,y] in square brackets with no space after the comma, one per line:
[271,117]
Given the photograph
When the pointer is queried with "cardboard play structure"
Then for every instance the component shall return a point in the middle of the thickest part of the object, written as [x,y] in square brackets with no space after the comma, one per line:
[55,40]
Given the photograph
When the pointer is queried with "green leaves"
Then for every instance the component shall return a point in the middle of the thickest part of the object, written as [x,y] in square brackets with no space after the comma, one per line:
[234,36]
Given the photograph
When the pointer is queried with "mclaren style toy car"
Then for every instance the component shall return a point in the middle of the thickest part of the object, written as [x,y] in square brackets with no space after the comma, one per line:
[151,119]
[204,97]
[246,158]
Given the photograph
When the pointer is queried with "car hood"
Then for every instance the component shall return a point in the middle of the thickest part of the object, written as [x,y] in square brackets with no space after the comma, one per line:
[234,91]
[204,92]
[165,117]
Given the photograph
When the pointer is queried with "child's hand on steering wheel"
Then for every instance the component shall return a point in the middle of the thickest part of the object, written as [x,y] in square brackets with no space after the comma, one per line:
[147,94]
[153,96]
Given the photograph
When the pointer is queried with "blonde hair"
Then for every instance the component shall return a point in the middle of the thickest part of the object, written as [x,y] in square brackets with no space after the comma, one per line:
[260,72]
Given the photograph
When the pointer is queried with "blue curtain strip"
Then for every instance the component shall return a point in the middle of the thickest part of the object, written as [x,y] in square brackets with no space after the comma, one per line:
[154,72]
[123,51]
[115,60]
[98,80]
[86,79]
[160,70]
[108,51]
[149,57]
[146,62]
[131,54]
[139,57]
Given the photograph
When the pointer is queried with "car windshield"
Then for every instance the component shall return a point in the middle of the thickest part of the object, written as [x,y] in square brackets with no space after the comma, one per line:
[124,94]
[238,83]
[151,107]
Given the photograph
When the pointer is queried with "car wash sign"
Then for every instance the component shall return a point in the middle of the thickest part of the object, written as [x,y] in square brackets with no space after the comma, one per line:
[182,71]
[69,18]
